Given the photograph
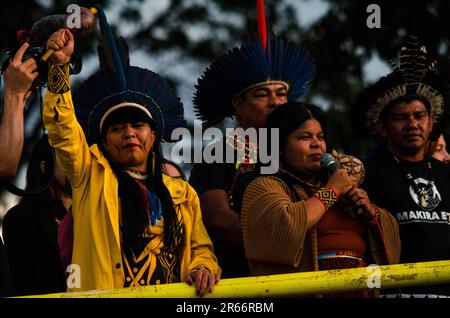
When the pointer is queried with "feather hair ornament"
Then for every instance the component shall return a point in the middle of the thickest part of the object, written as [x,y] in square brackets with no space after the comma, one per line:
[414,75]
[118,84]
[262,28]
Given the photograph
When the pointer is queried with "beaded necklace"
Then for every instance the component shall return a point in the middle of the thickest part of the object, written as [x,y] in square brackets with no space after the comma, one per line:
[242,165]
[249,149]
[136,174]
[421,193]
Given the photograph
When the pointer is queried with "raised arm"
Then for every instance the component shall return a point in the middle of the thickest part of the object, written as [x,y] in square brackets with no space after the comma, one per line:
[18,77]
[65,134]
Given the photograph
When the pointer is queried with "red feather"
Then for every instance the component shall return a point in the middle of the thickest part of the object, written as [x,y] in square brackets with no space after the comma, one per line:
[262,30]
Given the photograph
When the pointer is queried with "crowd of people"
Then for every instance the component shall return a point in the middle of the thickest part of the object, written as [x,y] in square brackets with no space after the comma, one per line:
[127,217]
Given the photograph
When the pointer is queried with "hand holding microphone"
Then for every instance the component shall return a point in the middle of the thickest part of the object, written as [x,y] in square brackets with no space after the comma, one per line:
[357,196]
[339,179]
[361,203]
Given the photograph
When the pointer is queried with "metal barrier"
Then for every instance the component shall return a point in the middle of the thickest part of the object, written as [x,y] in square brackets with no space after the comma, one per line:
[305,283]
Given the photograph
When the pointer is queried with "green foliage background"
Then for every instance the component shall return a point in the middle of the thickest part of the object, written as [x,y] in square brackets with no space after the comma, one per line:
[340,41]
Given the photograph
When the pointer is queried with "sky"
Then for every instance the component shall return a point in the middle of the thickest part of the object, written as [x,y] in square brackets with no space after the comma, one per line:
[187,70]
[184,69]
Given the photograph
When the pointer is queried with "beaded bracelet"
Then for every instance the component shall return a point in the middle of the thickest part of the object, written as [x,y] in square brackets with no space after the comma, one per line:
[327,196]
[58,78]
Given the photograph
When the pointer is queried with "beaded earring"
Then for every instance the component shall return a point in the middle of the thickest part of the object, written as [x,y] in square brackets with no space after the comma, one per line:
[153,162]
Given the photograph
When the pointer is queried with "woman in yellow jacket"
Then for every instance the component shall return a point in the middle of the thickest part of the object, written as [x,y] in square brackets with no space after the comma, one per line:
[132,224]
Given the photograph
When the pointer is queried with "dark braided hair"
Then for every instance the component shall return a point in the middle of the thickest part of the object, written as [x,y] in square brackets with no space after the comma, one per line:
[135,219]
[42,151]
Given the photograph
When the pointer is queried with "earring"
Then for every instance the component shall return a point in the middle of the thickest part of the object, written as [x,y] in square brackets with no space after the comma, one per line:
[153,163]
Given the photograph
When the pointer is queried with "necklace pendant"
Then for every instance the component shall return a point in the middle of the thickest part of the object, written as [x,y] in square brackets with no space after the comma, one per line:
[423,203]
[421,193]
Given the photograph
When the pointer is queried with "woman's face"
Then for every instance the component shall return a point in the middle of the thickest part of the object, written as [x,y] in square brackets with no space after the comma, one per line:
[304,148]
[440,151]
[129,144]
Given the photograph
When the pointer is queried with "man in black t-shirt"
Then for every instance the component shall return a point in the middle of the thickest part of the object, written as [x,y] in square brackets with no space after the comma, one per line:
[246,83]
[424,229]
[415,188]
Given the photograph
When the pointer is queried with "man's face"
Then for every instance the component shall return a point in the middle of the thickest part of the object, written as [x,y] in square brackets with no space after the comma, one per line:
[257,103]
[407,128]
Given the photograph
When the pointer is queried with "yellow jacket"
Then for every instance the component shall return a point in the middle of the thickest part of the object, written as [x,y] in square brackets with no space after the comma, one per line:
[97,249]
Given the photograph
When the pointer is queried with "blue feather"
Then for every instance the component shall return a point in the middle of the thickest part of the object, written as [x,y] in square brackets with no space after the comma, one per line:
[117,82]
[111,48]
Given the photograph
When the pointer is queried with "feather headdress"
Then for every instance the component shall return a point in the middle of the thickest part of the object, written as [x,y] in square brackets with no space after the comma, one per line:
[118,84]
[263,60]
[415,75]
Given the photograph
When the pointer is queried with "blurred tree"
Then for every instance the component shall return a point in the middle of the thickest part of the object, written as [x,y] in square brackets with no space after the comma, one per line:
[201,30]
[340,41]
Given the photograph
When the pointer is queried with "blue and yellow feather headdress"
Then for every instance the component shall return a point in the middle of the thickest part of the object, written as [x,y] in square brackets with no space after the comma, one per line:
[118,84]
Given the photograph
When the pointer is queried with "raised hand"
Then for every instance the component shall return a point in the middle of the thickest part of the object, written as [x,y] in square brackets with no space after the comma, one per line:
[62,43]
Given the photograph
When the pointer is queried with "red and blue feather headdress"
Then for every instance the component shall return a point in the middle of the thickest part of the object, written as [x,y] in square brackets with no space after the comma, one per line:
[118,84]
[265,59]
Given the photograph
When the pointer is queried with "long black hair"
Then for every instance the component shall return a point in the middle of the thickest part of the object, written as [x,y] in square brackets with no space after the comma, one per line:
[135,218]
[43,152]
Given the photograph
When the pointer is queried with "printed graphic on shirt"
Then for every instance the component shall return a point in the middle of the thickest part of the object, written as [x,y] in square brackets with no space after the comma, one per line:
[440,217]
[427,212]
[430,195]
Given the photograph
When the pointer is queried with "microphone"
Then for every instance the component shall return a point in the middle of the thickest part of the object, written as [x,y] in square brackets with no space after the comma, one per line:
[327,162]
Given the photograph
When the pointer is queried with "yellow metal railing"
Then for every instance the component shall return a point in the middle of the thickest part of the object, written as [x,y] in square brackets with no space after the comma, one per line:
[305,283]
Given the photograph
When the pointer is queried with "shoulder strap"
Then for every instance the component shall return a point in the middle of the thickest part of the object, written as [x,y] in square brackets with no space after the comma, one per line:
[240,182]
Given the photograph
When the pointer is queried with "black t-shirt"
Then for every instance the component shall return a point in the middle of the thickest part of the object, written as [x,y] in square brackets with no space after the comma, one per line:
[208,176]
[5,274]
[424,231]
[220,175]
[215,175]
